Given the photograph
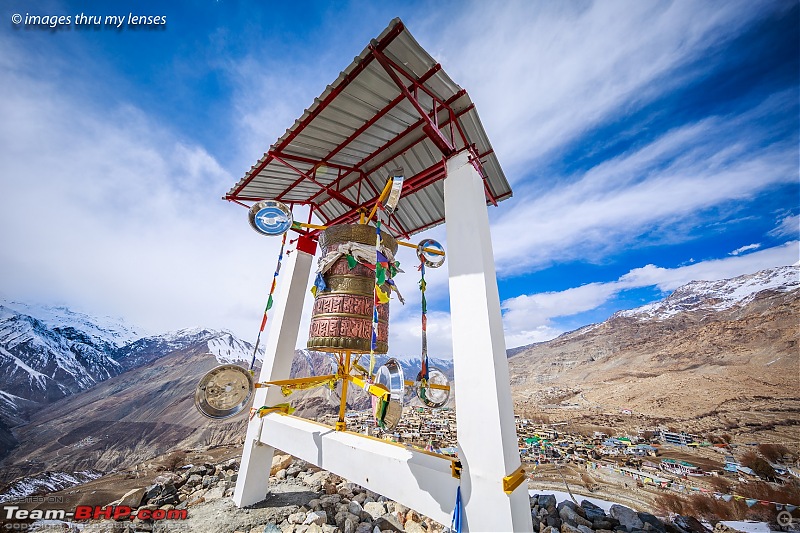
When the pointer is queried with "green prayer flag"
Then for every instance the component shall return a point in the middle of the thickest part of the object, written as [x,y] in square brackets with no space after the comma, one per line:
[380,274]
[351,261]
[269,303]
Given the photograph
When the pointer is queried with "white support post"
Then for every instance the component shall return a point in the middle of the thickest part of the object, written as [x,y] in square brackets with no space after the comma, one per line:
[253,480]
[487,437]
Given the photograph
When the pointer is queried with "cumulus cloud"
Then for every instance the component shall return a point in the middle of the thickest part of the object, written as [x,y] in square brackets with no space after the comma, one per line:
[530,318]
[669,182]
[746,248]
[113,213]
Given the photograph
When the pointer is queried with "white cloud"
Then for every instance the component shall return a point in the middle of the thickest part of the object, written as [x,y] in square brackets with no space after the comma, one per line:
[665,184]
[746,248]
[109,211]
[788,226]
[529,318]
[558,69]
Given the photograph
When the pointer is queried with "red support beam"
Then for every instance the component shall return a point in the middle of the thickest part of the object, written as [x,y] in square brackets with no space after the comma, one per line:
[400,137]
[411,185]
[254,171]
[430,128]
[334,194]
[397,30]
[425,77]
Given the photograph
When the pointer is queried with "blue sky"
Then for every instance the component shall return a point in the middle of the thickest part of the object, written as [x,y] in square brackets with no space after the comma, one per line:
[648,144]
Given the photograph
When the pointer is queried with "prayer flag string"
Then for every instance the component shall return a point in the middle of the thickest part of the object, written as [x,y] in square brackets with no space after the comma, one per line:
[269,301]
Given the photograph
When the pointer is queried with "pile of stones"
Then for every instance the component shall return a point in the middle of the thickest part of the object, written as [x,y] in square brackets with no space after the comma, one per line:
[334,505]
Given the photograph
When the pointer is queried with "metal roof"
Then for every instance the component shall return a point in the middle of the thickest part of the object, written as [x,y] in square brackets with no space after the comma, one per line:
[393,106]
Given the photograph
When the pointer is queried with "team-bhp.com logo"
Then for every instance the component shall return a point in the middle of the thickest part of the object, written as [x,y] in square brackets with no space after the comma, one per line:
[88,512]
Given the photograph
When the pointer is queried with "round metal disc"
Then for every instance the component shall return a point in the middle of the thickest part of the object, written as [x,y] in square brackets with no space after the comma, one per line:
[433,398]
[390,375]
[270,217]
[224,391]
[430,259]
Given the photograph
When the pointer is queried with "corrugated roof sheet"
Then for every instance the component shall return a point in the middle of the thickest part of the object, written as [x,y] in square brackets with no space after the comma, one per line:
[339,154]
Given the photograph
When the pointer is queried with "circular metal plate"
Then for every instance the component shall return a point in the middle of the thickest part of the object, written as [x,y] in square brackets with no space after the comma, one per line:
[224,391]
[433,398]
[270,217]
[390,375]
[430,259]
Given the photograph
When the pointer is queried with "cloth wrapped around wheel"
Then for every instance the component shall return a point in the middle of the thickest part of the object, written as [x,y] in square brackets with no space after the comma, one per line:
[343,304]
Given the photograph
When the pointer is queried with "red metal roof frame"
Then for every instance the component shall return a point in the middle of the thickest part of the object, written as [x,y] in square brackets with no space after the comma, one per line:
[357,186]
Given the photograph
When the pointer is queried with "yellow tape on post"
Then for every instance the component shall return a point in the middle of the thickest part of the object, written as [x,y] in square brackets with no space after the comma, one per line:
[514,480]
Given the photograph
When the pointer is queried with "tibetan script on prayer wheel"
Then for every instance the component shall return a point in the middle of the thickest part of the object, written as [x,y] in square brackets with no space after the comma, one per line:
[342,315]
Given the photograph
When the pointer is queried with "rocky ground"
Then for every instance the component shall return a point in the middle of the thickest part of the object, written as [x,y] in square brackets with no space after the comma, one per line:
[305,499]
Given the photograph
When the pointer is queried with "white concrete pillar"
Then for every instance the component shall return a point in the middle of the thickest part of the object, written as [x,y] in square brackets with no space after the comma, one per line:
[487,437]
[253,480]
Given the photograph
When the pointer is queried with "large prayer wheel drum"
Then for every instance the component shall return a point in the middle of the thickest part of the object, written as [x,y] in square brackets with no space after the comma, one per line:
[342,316]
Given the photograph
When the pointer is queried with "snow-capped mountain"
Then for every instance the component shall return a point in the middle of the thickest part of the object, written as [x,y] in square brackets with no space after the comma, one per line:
[223,345]
[100,329]
[40,362]
[46,482]
[49,353]
[714,296]
[229,349]
[310,363]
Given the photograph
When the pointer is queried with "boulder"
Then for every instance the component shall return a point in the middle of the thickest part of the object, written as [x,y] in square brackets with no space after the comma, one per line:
[591,511]
[296,518]
[572,505]
[549,529]
[413,526]
[656,524]
[199,470]
[346,522]
[389,522]
[627,517]
[317,478]
[547,500]
[167,495]
[553,522]
[169,477]
[316,517]
[569,515]
[280,462]
[329,500]
[566,528]
[585,529]
[281,474]
[208,481]
[364,527]
[314,528]
[132,498]
[375,509]
[215,493]
[355,508]
[690,523]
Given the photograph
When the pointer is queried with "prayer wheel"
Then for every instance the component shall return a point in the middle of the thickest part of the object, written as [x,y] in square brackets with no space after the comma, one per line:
[342,315]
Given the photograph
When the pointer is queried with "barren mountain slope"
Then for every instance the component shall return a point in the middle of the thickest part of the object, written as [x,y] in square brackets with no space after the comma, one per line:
[706,368]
